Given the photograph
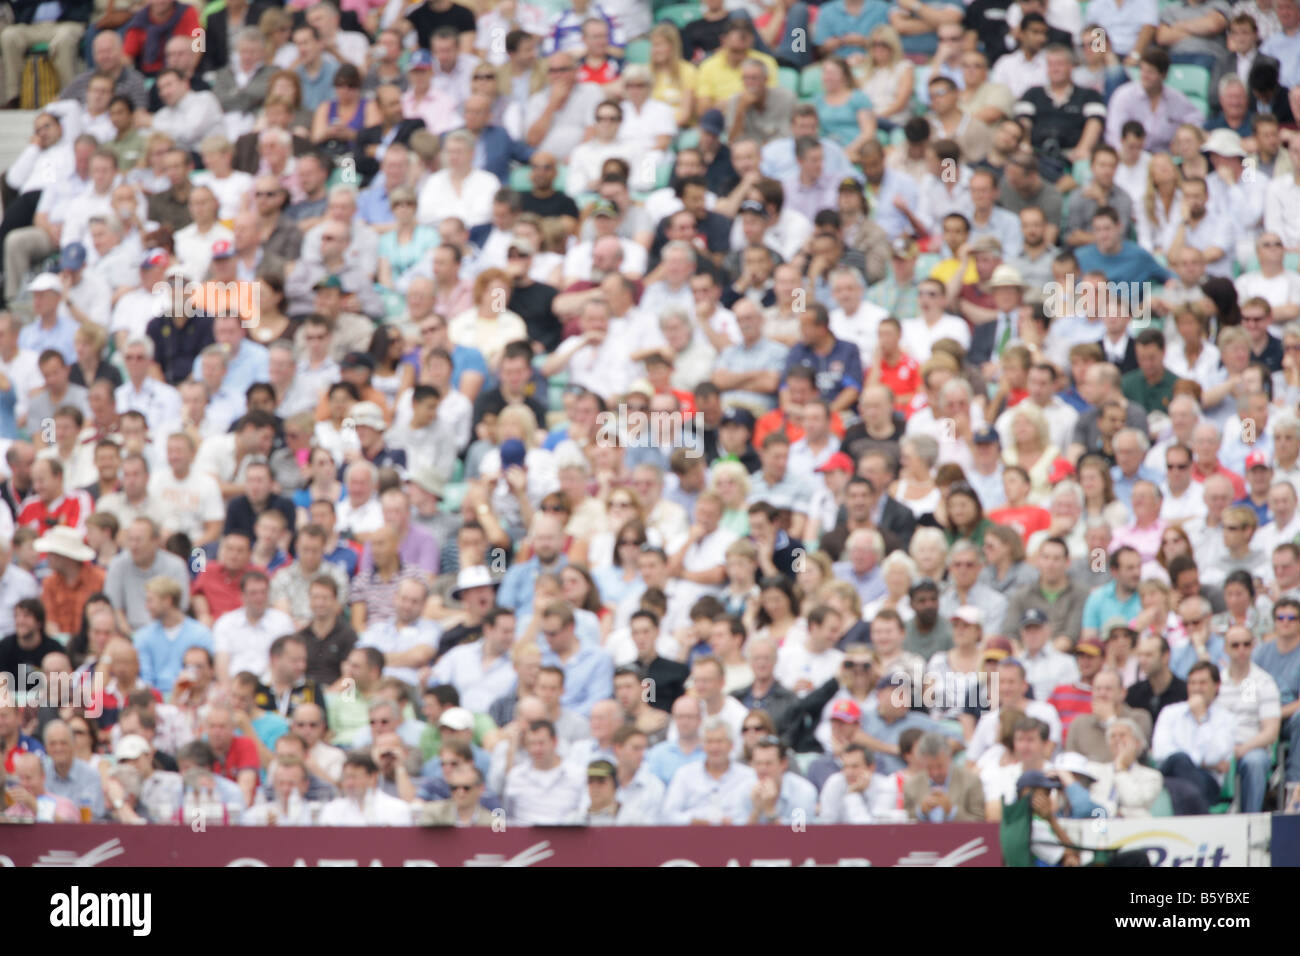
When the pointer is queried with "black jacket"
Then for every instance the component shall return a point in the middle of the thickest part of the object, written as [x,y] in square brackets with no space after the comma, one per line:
[806,715]
[217,37]
[367,166]
[897,519]
[70,11]
[780,703]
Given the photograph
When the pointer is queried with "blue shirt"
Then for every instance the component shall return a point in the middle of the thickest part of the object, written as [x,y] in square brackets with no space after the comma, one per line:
[1124,23]
[893,185]
[1287,51]
[372,204]
[252,363]
[61,337]
[777,160]
[516,591]
[839,369]
[666,758]
[269,728]
[345,558]
[1124,486]
[878,727]
[1182,659]
[161,656]
[1131,264]
[1103,604]
[81,785]
[1283,668]
[835,20]
[927,43]
[318,90]
[797,796]
[588,677]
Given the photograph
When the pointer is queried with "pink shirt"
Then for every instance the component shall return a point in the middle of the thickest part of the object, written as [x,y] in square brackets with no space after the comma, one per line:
[437,109]
[1146,541]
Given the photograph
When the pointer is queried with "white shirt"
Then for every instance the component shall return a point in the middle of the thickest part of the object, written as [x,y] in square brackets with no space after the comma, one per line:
[795,662]
[1048,670]
[587,159]
[535,796]
[24,373]
[1061,419]
[733,712]
[1207,741]
[378,809]
[641,128]
[158,402]
[389,638]
[1190,504]
[1271,535]
[604,368]
[472,205]
[133,313]
[187,504]
[1281,290]
[860,328]
[876,804]
[249,642]
[479,686]
[577,261]
[1250,701]
[640,800]
[194,248]
[987,730]
[694,794]
[1021,75]
[36,168]
[363,520]
[196,115]
[1281,209]
[230,191]
[16,584]
[919,338]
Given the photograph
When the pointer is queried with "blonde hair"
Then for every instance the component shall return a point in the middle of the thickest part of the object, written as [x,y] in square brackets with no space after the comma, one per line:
[732,469]
[1149,195]
[668,32]
[890,38]
[1028,410]
[522,417]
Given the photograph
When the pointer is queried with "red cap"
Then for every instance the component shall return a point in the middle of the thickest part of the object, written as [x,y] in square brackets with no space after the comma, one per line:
[1061,469]
[838,462]
[846,710]
[1256,459]
[223,249]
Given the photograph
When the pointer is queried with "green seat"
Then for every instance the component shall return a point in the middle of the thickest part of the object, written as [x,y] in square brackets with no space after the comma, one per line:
[687,139]
[788,78]
[1164,806]
[638,51]
[679,14]
[810,82]
[1190,80]
[920,82]
[1228,793]
[1201,103]
[519,179]
[38,48]
[452,495]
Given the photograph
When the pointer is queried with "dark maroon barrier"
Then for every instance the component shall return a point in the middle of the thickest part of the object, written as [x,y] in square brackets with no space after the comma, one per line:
[957,844]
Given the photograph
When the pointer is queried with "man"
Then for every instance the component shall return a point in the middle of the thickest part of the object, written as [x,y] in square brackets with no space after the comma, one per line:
[1159,108]
[1119,598]
[68,776]
[777,796]
[588,671]
[1065,121]
[27,646]
[518,584]
[943,793]
[362,802]
[1046,668]
[965,562]
[408,641]
[168,633]
[462,808]
[187,115]
[1161,687]
[1280,657]
[1120,259]
[555,118]
[713,790]
[191,500]
[481,670]
[1011,694]
[291,586]
[1282,202]
[50,505]
[1193,739]
[758,111]
[242,637]
[1088,732]
[1251,696]
[546,789]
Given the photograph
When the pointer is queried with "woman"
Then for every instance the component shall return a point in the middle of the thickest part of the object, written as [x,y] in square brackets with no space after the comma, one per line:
[964,516]
[277,28]
[929,549]
[547,267]
[865,235]
[580,590]
[915,486]
[730,481]
[392,376]
[778,613]
[674,78]
[85,740]
[518,422]
[337,122]
[618,577]
[272,324]
[844,110]
[888,79]
[1239,597]
[1032,449]
[1160,212]
[740,594]
[1002,753]
[1005,570]
[488,326]
[1191,354]
[1174,543]
[1101,70]
[953,676]
[814,571]
[322,482]
[1220,404]
[1185,148]
[401,248]
[149,175]
[287,86]
[758,724]
[621,507]
[1099,502]
[89,341]
[899,573]
[1157,617]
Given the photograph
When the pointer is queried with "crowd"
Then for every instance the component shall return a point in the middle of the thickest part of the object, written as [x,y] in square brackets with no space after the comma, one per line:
[623,414]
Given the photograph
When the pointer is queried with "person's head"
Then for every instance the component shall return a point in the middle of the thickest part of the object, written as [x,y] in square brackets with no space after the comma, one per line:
[717,737]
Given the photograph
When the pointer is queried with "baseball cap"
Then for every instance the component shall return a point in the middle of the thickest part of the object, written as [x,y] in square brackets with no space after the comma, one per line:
[754,206]
[420,60]
[155,258]
[996,649]
[357,360]
[73,257]
[1257,459]
[456,718]
[523,245]
[987,435]
[970,614]
[986,244]
[846,710]
[131,747]
[512,453]
[837,462]
[328,282]
[1091,646]
[600,769]
[223,249]
[1060,470]
[603,207]
[1033,618]
[739,416]
[367,415]
[1117,624]
[1036,779]
[712,122]
[903,248]
[45,282]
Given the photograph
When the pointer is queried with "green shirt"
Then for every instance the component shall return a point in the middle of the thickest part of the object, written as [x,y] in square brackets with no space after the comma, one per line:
[1153,398]
[347,714]
[128,150]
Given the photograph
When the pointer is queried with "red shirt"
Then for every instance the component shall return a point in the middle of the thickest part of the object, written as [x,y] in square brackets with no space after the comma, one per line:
[1025,520]
[72,510]
[241,756]
[776,421]
[134,43]
[221,588]
[1238,483]
[902,378]
[1071,701]
[607,72]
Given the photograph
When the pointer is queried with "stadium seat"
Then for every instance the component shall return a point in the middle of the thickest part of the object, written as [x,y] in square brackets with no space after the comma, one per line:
[810,82]
[788,78]
[679,14]
[1164,806]
[1201,104]
[1191,80]
[687,139]
[638,51]
[519,180]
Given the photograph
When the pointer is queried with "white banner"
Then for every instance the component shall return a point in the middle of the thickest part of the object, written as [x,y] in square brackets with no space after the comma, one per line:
[1240,839]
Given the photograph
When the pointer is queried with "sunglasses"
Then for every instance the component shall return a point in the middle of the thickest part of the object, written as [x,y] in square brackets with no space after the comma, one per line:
[1233,527]
[306,723]
[403,202]
[858,665]
[461,788]
[756,729]
[1183,467]
[1286,617]
[555,509]
[1235,645]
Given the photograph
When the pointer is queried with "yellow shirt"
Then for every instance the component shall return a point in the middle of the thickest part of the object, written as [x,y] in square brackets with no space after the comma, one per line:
[719,81]
[948,267]
[671,93]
